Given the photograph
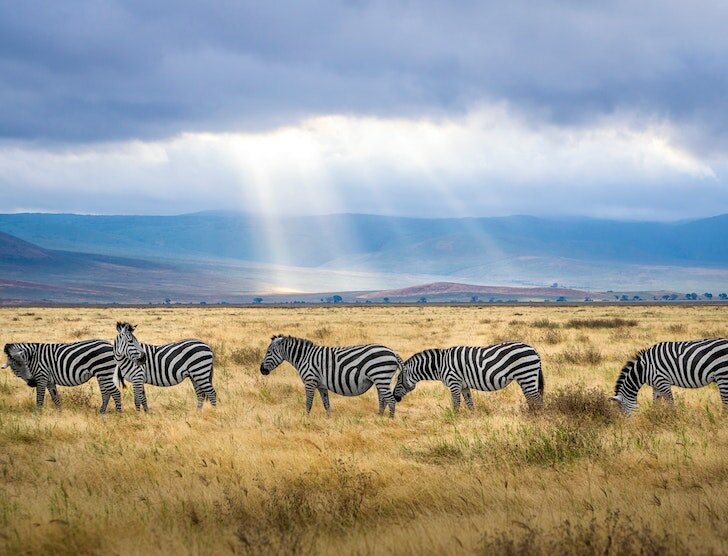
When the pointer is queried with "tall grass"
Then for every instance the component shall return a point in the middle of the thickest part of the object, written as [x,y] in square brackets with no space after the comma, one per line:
[259,476]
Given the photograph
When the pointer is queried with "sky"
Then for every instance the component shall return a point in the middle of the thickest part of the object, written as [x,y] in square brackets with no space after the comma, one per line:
[605,109]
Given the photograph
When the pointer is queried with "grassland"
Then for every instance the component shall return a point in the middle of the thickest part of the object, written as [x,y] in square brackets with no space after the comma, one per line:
[257,475]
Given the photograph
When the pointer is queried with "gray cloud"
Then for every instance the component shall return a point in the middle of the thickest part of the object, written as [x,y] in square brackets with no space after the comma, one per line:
[95,71]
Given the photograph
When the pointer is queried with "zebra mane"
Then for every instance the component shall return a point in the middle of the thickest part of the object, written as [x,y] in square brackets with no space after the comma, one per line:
[628,366]
[286,337]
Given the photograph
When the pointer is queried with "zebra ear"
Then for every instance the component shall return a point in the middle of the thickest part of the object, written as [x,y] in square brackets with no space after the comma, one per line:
[132,327]
[119,326]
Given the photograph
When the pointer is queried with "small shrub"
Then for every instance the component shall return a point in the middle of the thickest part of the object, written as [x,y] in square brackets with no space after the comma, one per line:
[282,522]
[322,333]
[552,336]
[577,355]
[78,396]
[578,402]
[613,535]
[544,323]
[676,328]
[601,323]
[246,356]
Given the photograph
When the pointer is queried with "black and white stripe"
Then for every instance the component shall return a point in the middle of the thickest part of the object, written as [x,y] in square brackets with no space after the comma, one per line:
[349,371]
[486,368]
[685,364]
[46,366]
[163,365]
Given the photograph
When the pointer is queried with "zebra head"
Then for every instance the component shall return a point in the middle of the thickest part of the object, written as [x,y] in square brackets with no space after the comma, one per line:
[274,355]
[629,381]
[18,360]
[405,383]
[128,352]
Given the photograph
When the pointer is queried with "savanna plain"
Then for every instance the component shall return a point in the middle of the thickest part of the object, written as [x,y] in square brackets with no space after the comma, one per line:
[257,475]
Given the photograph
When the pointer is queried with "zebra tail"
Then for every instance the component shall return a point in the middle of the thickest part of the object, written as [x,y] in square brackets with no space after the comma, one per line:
[119,379]
[540,380]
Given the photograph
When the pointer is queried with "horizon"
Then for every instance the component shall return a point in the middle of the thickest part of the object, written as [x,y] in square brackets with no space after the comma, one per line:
[227,212]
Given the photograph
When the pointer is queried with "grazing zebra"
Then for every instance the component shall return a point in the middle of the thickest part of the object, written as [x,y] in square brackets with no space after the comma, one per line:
[163,365]
[482,368]
[665,364]
[45,366]
[349,371]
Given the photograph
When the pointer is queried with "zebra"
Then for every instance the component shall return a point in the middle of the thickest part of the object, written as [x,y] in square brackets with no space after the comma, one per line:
[163,365]
[46,366]
[349,371]
[485,368]
[685,364]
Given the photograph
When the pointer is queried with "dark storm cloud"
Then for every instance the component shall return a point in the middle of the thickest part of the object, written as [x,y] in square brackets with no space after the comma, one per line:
[103,70]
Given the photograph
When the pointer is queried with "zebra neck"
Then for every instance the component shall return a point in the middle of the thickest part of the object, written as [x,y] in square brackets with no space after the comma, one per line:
[297,353]
[428,373]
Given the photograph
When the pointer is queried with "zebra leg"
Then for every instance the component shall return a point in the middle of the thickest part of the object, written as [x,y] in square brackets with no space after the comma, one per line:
[310,389]
[211,394]
[140,397]
[54,394]
[386,398]
[199,392]
[455,391]
[722,383]
[116,394]
[662,390]
[40,389]
[325,399]
[531,392]
[468,399]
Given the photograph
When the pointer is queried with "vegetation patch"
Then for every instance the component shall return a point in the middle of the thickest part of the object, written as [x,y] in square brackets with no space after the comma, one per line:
[580,355]
[611,535]
[601,323]
[579,402]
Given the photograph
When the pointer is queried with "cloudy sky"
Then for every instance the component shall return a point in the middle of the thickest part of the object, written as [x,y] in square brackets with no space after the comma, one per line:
[611,109]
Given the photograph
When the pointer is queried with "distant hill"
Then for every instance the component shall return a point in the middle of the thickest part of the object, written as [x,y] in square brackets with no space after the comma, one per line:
[454,290]
[215,255]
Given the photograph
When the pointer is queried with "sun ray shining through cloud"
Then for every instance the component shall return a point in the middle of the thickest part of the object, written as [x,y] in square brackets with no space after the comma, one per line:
[487,162]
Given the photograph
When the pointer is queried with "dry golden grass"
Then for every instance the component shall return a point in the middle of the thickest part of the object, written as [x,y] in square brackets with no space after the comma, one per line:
[257,475]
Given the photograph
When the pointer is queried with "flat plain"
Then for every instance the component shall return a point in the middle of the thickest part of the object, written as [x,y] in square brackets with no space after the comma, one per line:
[257,475]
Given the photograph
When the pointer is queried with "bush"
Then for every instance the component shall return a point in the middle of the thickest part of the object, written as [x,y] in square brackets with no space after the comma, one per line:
[544,323]
[246,356]
[601,323]
[577,355]
[612,535]
[579,402]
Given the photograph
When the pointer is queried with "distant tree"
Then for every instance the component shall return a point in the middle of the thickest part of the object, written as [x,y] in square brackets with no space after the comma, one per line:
[708,295]
[636,298]
[587,299]
[386,300]
[624,298]
[474,299]
[616,297]
[555,285]
[691,296]
[257,300]
[167,301]
[666,297]
[203,302]
[422,299]
[673,296]
[337,299]
[723,295]
[561,299]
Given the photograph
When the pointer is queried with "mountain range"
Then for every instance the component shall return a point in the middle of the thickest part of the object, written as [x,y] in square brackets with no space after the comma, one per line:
[215,256]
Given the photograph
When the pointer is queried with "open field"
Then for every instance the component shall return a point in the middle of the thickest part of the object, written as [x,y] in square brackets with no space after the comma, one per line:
[256,475]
